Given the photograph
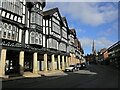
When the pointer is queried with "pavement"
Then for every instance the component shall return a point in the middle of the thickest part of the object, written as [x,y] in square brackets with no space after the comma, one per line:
[52,73]
[33,75]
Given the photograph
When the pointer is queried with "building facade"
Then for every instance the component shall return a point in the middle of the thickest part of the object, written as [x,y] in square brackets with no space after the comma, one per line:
[114,55]
[33,40]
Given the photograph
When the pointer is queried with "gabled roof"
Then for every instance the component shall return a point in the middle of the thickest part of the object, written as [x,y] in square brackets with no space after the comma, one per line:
[64,19]
[73,31]
[50,12]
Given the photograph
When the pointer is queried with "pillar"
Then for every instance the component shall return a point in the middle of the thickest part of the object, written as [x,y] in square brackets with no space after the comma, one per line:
[21,62]
[2,62]
[53,62]
[35,68]
[45,62]
[59,68]
[63,63]
[66,61]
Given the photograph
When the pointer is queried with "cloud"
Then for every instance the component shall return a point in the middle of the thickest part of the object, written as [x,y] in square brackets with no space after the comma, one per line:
[101,42]
[113,30]
[91,13]
[78,30]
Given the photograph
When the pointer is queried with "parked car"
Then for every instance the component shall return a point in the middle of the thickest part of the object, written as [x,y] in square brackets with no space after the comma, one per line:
[83,65]
[78,66]
[71,68]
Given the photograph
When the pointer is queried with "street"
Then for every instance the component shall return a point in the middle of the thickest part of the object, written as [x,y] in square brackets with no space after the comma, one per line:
[94,76]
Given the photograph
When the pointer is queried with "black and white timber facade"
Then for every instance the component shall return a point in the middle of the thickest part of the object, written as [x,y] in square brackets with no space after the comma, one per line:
[33,40]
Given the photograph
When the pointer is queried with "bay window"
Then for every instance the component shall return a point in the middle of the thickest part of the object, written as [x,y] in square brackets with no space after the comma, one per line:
[14,6]
[56,27]
[33,17]
[32,37]
[52,43]
[36,18]
[64,33]
[62,46]
[35,38]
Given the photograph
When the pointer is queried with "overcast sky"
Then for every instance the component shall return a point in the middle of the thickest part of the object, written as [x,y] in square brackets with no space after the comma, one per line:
[92,20]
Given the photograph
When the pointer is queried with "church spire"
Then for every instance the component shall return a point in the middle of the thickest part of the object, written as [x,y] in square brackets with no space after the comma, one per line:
[93,48]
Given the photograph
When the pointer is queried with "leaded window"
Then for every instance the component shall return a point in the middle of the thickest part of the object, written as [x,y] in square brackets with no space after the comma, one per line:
[14,6]
[14,33]
[36,18]
[33,17]
[1,29]
[40,38]
[64,33]
[62,46]
[5,27]
[32,37]
[56,27]
[52,43]
[9,31]
[35,38]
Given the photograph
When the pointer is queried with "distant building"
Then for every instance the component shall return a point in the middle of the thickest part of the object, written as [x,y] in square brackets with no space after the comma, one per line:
[91,58]
[114,55]
[102,55]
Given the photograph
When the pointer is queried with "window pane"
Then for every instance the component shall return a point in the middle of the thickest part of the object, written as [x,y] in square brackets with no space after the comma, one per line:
[9,34]
[10,27]
[4,34]
[56,28]
[40,38]
[33,17]
[14,35]
[32,40]
[32,37]
[0,32]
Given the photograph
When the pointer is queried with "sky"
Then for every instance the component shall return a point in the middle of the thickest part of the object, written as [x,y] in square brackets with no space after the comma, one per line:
[93,20]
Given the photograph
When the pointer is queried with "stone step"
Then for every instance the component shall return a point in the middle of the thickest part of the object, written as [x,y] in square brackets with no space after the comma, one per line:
[30,74]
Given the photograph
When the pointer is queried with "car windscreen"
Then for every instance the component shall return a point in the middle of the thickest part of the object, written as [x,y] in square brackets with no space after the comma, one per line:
[71,65]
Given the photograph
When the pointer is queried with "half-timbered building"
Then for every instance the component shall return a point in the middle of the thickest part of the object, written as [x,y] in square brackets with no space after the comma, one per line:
[71,47]
[78,50]
[20,36]
[11,25]
[34,36]
[33,40]
[56,29]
